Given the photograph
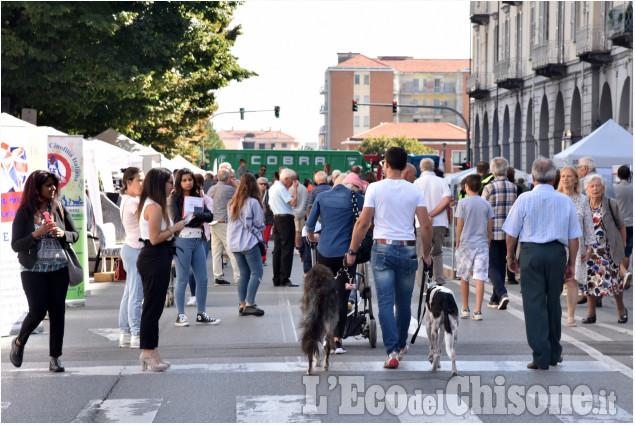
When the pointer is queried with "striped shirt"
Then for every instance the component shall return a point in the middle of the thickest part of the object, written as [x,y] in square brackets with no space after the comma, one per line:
[543,215]
[501,194]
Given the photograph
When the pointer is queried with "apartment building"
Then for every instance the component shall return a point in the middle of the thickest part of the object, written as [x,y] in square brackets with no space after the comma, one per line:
[546,74]
[408,81]
[258,139]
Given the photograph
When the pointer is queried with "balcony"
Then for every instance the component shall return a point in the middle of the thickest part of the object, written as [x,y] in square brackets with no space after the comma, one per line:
[479,12]
[323,130]
[547,60]
[621,25]
[591,45]
[512,3]
[410,88]
[324,89]
[324,109]
[477,86]
[508,74]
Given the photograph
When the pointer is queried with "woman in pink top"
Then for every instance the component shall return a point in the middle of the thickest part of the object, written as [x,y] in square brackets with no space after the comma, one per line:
[130,308]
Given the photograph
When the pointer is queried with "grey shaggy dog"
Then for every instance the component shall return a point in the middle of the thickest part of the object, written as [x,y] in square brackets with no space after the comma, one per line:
[320,314]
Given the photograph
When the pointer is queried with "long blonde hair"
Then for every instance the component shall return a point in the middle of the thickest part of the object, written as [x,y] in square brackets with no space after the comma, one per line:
[246,189]
[573,170]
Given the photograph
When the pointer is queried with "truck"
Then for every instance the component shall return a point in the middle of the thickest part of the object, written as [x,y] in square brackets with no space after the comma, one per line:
[304,162]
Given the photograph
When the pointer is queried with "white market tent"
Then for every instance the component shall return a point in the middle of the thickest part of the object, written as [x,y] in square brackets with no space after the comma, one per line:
[180,162]
[609,145]
[454,180]
[151,158]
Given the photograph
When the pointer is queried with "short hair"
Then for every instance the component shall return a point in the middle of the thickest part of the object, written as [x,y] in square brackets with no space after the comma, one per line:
[624,172]
[587,161]
[242,160]
[370,177]
[511,174]
[225,165]
[482,167]
[208,174]
[356,169]
[426,164]
[223,174]
[543,170]
[262,180]
[286,173]
[521,181]
[396,157]
[473,181]
[588,179]
[499,166]
[335,173]
[320,176]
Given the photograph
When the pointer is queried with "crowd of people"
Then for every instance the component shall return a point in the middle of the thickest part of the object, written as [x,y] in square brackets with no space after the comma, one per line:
[565,232]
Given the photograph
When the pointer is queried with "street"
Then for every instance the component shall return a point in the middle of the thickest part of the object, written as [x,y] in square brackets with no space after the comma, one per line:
[250,369]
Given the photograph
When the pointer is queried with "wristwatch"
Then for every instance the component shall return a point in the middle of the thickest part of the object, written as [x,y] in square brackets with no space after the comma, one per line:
[351,252]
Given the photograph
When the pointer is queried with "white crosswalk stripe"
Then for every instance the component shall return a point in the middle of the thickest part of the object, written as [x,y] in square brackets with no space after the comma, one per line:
[140,410]
[273,409]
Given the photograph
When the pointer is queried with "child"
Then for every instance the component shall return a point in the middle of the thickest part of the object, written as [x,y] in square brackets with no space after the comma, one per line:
[473,234]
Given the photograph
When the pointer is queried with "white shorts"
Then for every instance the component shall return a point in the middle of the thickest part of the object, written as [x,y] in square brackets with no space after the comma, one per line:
[473,259]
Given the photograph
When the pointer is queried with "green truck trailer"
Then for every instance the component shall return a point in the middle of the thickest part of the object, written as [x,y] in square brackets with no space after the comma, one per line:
[305,163]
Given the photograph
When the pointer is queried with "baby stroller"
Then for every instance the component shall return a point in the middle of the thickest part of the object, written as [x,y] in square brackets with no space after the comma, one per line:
[360,321]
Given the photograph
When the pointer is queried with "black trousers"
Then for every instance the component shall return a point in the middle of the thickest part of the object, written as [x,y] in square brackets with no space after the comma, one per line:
[284,242]
[154,265]
[45,292]
[335,264]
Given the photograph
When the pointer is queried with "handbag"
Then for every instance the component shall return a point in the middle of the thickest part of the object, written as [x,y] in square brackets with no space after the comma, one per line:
[75,270]
[366,247]
[120,272]
[263,248]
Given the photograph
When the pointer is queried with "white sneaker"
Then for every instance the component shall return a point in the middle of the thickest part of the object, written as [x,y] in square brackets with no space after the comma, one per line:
[465,313]
[181,320]
[477,316]
[628,280]
[191,301]
[135,341]
[124,339]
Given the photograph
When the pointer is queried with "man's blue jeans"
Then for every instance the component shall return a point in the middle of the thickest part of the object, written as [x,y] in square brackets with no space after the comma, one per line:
[250,265]
[394,270]
[497,268]
[190,254]
[130,308]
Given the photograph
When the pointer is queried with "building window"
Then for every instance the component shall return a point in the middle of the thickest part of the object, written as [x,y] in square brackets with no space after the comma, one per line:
[262,146]
[415,102]
[437,102]
[367,79]
[497,48]
[284,145]
[366,99]
[357,79]
[366,121]
[573,21]
[437,84]
[416,85]
[543,22]
[532,26]
[458,157]
[505,52]
[356,120]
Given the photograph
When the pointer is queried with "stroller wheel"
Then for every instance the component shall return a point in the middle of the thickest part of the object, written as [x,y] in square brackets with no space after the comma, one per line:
[372,333]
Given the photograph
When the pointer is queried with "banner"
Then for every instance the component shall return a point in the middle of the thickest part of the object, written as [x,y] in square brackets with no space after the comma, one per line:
[65,159]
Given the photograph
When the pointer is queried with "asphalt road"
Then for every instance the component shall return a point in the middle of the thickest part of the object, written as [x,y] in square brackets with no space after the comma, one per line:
[250,369]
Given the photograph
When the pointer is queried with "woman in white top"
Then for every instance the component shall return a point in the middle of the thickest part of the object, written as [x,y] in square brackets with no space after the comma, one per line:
[246,221]
[130,308]
[155,260]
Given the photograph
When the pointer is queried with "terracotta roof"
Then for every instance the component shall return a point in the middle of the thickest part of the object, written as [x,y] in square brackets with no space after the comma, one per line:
[254,134]
[428,65]
[361,61]
[415,130]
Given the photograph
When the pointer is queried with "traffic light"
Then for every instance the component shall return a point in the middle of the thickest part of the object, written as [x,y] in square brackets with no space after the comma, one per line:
[354,106]
[464,165]
[276,111]
[242,113]
[203,165]
[394,107]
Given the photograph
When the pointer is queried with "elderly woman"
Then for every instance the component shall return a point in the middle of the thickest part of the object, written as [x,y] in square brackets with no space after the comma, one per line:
[337,218]
[603,272]
[570,185]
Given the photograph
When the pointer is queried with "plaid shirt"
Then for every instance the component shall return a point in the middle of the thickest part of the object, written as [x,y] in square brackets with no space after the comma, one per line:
[501,194]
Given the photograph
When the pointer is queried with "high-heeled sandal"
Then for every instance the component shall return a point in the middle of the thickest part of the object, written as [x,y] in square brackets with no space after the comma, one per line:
[153,362]
[588,320]
[165,362]
[623,318]
[571,323]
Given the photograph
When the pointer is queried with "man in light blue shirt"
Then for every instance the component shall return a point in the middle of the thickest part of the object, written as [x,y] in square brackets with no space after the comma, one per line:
[545,222]
[282,203]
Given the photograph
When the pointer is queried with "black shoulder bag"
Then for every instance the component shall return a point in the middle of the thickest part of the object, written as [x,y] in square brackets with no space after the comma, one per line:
[365,248]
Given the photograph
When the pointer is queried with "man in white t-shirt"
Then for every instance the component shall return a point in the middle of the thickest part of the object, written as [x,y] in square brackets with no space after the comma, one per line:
[437,194]
[393,202]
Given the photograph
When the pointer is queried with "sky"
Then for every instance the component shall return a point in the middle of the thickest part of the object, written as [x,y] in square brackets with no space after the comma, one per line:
[290,44]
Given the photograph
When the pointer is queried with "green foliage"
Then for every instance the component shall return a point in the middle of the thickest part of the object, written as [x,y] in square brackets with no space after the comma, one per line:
[147,69]
[378,145]
[191,149]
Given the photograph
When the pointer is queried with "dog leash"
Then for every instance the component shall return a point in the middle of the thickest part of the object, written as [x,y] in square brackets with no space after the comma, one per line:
[427,271]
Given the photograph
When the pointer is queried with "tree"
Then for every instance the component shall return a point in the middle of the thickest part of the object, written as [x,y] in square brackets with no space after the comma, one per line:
[147,69]
[207,138]
[378,145]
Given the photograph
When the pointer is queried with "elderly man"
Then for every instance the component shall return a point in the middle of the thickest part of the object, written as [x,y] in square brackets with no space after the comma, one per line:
[394,255]
[501,194]
[321,185]
[409,173]
[586,166]
[437,194]
[282,204]
[221,193]
[624,193]
[545,222]
[208,182]
[299,211]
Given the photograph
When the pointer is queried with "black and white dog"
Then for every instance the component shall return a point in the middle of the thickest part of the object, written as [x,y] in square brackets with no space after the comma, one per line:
[320,314]
[442,322]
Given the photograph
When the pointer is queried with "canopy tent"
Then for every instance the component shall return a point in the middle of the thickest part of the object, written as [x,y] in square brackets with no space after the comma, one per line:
[151,157]
[181,162]
[609,145]
[454,180]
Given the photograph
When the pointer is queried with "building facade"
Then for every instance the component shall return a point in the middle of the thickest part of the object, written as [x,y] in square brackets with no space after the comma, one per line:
[546,74]
[408,81]
[260,139]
